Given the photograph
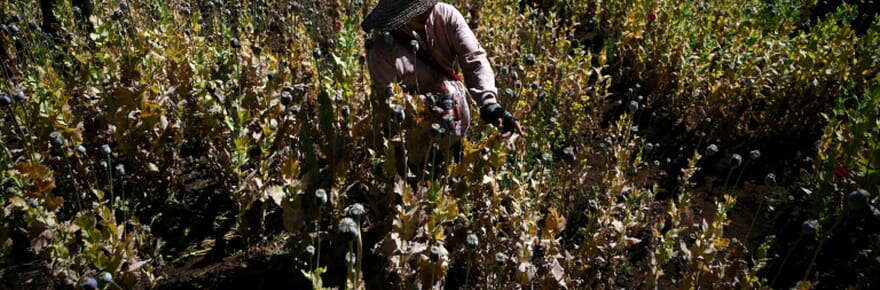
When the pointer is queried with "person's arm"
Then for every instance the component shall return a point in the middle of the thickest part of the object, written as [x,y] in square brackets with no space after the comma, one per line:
[474,62]
[382,70]
[478,75]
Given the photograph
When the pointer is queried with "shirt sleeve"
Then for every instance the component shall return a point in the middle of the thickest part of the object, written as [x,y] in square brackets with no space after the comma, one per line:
[478,75]
[382,70]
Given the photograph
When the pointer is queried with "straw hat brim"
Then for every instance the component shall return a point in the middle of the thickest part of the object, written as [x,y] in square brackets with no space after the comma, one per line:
[391,14]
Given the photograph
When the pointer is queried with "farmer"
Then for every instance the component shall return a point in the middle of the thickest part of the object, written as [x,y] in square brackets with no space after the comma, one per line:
[417,43]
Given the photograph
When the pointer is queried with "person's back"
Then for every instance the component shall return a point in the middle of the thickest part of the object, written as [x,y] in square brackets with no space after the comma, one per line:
[417,44]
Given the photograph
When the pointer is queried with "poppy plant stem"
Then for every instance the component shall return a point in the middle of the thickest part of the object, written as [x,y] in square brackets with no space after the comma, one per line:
[745,166]
[787,255]
[22,134]
[821,243]
[75,184]
[755,218]
[467,274]
[110,179]
[349,265]
[729,173]
[318,254]
[360,255]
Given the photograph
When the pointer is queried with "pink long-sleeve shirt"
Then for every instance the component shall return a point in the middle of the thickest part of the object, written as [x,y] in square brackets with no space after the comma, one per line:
[449,41]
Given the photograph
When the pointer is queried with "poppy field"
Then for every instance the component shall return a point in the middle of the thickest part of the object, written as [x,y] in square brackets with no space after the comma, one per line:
[231,144]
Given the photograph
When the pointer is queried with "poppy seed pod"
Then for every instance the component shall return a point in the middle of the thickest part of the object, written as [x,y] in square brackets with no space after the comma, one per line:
[711,150]
[633,107]
[235,43]
[501,258]
[349,228]
[285,98]
[19,95]
[105,149]
[754,154]
[89,283]
[530,59]
[770,179]
[355,210]
[56,139]
[117,14]
[568,154]
[547,157]
[293,110]
[473,241]
[736,160]
[448,123]
[5,101]
[437,131]
[397,114]
[119,170]
[351,258]
[106,277]
[858,200]
[321,196]
[508,93]
[438,253]
[809,228]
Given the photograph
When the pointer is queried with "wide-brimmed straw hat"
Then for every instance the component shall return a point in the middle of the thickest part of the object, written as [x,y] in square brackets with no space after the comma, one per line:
[391,14]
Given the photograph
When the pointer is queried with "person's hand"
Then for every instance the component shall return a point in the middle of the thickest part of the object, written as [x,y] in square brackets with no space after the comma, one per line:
[497,116]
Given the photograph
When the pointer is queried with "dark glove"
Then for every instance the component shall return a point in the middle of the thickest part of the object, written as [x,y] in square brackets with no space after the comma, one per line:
[490,113]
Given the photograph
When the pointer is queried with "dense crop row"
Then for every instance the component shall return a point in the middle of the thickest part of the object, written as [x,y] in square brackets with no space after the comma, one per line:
[706,144]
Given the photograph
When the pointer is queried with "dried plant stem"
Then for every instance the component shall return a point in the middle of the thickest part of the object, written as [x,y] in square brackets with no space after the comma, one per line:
[318,250]
[746,166]
[110,179]
[755,218]
[821,243]
[467,274]
[22,134]
[729,173]
[788,255]
[360,256]
[348,268]
[76,191]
